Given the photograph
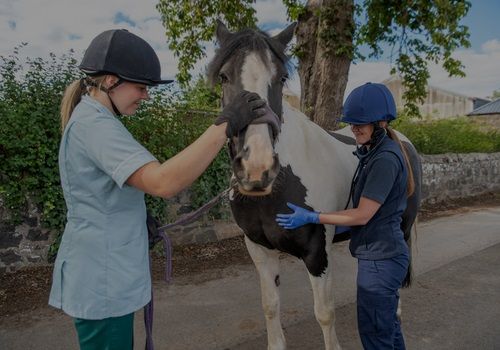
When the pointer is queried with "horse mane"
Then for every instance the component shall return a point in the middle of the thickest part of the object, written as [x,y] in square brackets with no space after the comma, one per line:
[239,44]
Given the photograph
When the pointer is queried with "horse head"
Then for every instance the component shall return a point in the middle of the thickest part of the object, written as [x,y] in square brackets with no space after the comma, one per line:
[254,61]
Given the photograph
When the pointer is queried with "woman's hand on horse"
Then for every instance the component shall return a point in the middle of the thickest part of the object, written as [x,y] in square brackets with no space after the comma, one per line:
[299,217]
[241,111]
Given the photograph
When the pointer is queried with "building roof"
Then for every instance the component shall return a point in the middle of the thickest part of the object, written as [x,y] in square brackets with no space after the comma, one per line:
[490,108]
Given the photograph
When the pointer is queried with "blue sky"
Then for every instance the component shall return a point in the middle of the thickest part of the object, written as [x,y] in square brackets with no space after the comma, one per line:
[59,25]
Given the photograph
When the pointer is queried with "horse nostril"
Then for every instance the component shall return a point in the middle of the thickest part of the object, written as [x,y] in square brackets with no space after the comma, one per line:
[238,166]
[265,178]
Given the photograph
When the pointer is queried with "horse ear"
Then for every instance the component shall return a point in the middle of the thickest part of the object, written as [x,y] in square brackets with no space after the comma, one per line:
[221,32]
[286,34]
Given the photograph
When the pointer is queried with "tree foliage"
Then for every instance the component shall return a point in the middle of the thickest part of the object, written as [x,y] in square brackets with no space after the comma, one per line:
[188,24]
[413,33]
[417,32]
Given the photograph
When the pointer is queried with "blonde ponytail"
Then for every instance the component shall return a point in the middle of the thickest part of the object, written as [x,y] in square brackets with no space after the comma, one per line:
[74,92]
[72,95]
[410,183]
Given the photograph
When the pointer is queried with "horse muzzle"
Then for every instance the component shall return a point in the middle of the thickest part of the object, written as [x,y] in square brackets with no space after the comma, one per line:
[255,182]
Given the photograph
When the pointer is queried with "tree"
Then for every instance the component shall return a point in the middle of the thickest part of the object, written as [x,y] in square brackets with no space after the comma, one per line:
[329,36]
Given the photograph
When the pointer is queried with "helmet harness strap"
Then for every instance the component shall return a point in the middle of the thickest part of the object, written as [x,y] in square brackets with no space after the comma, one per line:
[87,81]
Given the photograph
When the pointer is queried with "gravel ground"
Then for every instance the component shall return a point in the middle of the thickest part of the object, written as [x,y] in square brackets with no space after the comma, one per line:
[28,289]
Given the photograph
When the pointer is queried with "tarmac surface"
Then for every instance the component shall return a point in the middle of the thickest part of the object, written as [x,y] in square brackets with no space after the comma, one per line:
[453,304]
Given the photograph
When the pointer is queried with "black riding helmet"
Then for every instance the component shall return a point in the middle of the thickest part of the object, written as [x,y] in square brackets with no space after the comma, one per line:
[125,55]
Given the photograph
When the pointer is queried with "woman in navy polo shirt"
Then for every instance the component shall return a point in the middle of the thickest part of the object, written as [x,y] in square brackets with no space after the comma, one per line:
[381,186]
[101,274]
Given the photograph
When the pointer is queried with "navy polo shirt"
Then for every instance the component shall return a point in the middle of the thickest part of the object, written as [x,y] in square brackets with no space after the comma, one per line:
[382,178]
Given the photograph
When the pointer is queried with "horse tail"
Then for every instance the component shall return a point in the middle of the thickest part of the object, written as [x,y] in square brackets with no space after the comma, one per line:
[409,217]
[409,273]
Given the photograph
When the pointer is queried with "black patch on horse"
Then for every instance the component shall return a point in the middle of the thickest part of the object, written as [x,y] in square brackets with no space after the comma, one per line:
[257,218]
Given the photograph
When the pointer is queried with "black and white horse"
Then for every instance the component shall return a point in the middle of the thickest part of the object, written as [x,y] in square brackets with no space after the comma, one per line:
[303,164]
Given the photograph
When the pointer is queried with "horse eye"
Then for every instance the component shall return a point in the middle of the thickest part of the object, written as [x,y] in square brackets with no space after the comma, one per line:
[284,78]
[223,78]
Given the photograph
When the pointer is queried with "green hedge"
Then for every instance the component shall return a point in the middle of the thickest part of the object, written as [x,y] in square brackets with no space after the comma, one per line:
[456,135]
[30,95]
[30,134]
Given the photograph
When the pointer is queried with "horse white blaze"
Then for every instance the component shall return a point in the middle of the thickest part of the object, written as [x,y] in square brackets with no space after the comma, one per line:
[256,76]
[260,153]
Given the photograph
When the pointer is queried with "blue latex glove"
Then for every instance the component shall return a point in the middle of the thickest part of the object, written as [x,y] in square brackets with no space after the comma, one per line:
[299,217]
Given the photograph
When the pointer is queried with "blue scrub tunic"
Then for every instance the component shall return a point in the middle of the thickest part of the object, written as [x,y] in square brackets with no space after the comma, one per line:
[102,267]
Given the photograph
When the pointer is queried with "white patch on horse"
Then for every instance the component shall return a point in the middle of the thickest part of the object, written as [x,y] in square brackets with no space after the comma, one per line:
[308,149]
[268,266]
[256,76]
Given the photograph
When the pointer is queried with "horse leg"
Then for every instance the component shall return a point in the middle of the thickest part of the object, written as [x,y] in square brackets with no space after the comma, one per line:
[324,308]
[267,264]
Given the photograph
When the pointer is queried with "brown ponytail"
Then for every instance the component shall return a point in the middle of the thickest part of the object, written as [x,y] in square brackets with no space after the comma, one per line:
[72,95]
[410,184]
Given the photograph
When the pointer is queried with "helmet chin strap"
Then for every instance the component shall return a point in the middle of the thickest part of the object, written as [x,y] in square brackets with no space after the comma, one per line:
[91,82]
[108,90]
[378,135]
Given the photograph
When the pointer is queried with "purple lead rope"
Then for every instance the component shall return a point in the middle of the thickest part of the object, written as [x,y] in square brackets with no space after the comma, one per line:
[167,247]
[148,309]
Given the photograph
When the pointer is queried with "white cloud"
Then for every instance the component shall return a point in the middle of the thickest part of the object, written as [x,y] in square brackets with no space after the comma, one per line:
[58,25]
[491,46]
[482,71]
[270,11]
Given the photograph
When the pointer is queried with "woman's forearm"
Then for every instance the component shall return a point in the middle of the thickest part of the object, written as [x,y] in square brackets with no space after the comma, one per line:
[352,217]
[185,167]
[177,173]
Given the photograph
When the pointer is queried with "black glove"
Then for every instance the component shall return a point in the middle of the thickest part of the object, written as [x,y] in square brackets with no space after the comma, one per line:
[241,111]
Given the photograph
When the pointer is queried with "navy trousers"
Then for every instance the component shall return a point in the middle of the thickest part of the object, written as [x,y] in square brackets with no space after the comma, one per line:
[377,302]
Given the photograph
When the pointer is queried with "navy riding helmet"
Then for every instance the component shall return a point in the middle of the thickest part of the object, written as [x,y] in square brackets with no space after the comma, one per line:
[369,103]
[125,55]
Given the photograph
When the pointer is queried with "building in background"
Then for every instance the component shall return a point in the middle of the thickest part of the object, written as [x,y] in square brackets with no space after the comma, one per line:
[439,103]
[488,113]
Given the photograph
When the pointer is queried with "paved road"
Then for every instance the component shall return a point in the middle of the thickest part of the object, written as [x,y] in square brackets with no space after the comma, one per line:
[454,304]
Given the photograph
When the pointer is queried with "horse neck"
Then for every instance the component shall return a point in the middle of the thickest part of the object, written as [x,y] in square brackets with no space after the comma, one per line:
[302,138]
[323,164]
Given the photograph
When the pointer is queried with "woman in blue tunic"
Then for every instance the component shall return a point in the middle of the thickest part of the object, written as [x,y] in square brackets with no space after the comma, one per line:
[381,186]
[101,274]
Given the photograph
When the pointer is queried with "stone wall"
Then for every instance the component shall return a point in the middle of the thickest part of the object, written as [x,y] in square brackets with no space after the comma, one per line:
[25,244]
[448,176]
[445,176]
